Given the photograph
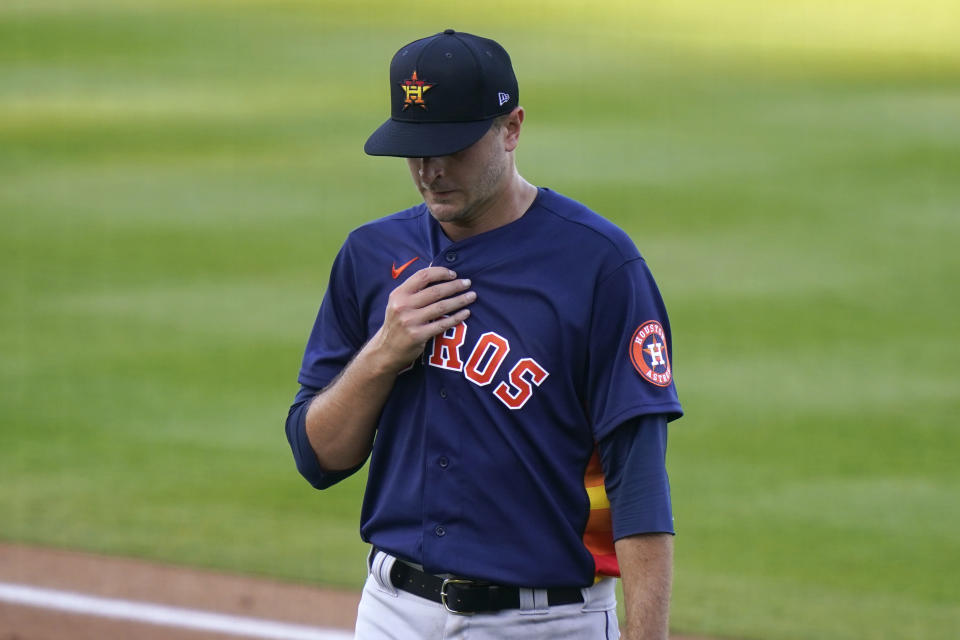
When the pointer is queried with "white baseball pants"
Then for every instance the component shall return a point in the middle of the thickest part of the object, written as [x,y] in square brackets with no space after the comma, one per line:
[387,613]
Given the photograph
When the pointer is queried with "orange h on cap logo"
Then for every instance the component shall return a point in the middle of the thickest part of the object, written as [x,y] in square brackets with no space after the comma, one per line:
[414,88]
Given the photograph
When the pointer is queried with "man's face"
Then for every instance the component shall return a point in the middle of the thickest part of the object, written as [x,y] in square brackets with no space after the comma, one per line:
[457,187]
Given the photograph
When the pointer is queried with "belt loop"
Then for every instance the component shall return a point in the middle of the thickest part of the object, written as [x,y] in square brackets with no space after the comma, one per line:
[370,554]
[380,568]
[602,596]
[533,601]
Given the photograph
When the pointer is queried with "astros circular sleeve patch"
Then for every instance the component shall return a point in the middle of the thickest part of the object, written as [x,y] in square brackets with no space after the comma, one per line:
[648,352]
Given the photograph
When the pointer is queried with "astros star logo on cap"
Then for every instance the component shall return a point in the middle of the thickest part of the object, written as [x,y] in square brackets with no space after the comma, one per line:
[445,92]
[414,88]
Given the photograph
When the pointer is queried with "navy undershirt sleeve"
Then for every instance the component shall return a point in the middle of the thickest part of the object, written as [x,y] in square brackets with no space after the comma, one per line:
[635,472]
[307,463]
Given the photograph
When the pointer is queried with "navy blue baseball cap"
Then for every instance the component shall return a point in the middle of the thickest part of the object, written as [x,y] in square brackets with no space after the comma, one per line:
[445,92]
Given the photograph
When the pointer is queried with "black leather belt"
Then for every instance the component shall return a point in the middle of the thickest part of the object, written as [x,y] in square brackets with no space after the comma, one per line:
[463,596]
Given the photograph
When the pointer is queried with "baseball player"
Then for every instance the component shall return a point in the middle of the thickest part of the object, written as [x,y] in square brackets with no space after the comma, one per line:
[502,355]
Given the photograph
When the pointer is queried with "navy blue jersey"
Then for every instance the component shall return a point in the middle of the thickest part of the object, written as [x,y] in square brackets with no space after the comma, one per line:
[482,447]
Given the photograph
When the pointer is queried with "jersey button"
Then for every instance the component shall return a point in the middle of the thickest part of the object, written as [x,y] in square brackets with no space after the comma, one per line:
[451,256]
[440,531]
[443,462]
[443,393]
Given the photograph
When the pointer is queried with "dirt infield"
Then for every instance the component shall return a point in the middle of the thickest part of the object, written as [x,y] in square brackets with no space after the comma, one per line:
[140,581]
[108,578]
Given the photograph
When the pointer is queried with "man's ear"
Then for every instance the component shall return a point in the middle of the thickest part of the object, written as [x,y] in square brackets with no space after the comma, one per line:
[511,129]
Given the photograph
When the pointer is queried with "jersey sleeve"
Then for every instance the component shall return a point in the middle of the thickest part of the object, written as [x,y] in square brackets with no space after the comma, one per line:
[630,364]
[635,475]
[338,332]
[303,454]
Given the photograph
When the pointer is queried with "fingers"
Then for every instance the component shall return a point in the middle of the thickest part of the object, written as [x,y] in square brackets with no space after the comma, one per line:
[445,306]
[430,293]
[435,292]
[428,303]
[424,278]
[441,324]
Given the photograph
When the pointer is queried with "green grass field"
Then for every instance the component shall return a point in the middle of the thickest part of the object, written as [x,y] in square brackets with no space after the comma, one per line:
[175,179]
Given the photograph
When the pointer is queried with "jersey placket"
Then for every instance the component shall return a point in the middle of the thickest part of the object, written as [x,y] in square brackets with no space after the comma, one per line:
[442,500]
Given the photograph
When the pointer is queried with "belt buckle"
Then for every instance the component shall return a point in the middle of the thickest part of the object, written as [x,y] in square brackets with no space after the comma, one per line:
[443,595]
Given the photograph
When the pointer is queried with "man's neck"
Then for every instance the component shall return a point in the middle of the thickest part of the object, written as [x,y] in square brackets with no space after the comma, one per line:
[507,206]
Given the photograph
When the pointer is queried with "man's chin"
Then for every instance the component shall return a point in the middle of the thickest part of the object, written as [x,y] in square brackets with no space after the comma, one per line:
[443,211]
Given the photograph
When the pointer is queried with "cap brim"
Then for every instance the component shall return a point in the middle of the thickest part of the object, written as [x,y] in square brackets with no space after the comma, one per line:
[424,139]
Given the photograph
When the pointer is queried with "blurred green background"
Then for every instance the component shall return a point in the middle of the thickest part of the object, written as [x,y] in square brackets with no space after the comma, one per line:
[176,177]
